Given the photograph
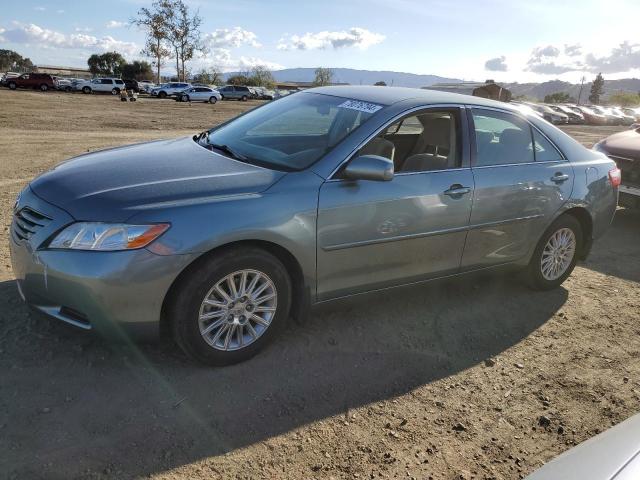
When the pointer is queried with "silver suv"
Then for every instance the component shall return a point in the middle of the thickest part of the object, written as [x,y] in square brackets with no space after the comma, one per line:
[234,92]
[168,89]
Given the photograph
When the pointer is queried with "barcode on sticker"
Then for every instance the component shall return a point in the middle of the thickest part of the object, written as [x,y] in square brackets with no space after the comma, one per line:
[360,106]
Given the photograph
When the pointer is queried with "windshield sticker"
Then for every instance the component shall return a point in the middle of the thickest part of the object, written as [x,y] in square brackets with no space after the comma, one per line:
[360,106]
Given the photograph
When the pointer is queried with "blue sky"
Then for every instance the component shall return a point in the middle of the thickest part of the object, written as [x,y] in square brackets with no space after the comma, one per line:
[503,39]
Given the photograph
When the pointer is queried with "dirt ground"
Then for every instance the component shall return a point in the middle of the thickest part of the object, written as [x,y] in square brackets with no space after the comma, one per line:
[476,378]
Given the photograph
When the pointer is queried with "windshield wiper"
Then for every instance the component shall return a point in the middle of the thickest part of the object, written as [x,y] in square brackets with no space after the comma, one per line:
[228,150]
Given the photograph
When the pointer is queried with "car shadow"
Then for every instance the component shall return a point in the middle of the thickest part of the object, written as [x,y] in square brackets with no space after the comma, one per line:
[617,253]
[72,403]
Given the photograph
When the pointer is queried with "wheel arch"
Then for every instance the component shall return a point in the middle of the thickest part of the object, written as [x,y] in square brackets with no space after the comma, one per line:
[300,295]
[586,223]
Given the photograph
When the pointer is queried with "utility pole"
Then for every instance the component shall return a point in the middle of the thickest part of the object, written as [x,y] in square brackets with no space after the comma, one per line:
[581,85]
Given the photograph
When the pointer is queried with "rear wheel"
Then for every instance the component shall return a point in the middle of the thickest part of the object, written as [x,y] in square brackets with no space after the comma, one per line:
[244,98]
[115,91]
[12,85]
[213,100]
[556,254]
[230,306]
[44,87]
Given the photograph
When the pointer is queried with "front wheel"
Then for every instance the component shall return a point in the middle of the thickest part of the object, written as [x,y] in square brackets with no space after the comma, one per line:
[44,87]
[115,91]
[162,95]
[244,98]
[556,254]
[230,305]
[185,98]
[213,100]
[86,90]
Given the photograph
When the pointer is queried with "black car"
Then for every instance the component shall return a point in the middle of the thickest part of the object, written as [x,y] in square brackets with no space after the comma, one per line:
[131,84]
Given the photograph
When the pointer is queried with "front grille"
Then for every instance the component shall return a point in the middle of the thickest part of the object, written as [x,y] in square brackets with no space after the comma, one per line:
[26,222]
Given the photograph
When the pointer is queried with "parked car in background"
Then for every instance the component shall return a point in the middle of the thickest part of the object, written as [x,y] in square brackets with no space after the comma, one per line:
[591,117]
[574,117]
[612,455]
[40,81]
[7,76]
[625,118]
[526,109]
[235,92]
[101,85]
[634,112]
[624,149]
[145,85]
[549,114]
[327,193]
[168,89]
[198,94]
[612,118]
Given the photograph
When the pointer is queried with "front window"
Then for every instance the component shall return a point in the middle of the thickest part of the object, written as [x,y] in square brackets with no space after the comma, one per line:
[294,132]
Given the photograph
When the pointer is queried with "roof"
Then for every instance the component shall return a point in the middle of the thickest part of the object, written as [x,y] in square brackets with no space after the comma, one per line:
[391,95]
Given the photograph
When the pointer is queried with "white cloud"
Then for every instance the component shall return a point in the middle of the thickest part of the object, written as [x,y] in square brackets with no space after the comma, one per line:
[39,9]
[224,59]
[231,38]
[354,37]
[114,24]
[60,11]
[43,37]
[497,64]
[83,29]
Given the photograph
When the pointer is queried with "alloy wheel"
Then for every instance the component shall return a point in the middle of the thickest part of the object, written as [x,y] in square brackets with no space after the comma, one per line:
[237,310]
[558,254]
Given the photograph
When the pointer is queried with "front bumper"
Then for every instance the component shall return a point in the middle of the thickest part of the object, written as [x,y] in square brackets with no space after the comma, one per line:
[116,293]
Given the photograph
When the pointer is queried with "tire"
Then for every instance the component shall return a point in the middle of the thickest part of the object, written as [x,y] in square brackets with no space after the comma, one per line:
[115,91]
[86,89]
[12,85]
[184,98]
[44,87]
[186,306]
[565,226]
[213,100]
[67,89]
[244,98]
[162,95]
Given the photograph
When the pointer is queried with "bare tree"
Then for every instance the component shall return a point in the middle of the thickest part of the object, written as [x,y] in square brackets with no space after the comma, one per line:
[184,34]
[154,21]
[261,76]
[323,76]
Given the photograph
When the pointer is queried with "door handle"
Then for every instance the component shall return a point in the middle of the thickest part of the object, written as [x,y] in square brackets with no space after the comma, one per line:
[560,177]
[457,190]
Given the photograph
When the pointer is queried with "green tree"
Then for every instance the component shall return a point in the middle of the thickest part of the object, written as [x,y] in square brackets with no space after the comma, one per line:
[624,99]
[559,97]
[138,70]
[13,61]
[597,89]
[261,76]
[154,21]
[109,63]
[212,76]
[323,76]
[238,80]
[183,33]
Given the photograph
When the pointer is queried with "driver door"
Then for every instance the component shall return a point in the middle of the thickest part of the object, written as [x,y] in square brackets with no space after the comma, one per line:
[380,234]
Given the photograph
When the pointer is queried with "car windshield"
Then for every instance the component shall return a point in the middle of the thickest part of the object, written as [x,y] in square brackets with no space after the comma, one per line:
[294,132]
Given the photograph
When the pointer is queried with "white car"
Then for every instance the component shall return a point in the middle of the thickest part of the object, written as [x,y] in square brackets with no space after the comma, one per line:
[146,86]
[168,89]
[107,85]
[198,94]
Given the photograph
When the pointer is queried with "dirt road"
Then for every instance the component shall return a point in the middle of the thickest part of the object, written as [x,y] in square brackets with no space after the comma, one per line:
[477,378]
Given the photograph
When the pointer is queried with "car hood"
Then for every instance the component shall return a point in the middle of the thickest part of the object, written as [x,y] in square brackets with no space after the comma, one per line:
[624,144]
[113,184]
[611,454]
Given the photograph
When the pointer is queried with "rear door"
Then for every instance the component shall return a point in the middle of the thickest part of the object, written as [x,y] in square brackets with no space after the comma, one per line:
[521,181]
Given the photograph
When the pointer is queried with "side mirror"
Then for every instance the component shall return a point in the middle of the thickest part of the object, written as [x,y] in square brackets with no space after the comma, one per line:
[369,167]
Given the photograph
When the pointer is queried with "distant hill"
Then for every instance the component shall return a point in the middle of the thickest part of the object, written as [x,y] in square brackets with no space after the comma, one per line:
[539,90]
[357,77]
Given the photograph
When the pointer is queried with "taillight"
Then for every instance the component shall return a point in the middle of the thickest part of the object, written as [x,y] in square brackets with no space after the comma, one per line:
[615,177]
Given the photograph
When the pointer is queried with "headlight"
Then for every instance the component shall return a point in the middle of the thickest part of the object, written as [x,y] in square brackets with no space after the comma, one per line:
[107,236]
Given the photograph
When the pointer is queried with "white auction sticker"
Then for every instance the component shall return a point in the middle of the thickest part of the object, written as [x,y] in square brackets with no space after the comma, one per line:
[360,106]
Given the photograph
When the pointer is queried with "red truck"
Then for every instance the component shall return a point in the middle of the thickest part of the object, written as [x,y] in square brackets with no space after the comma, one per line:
[42,81]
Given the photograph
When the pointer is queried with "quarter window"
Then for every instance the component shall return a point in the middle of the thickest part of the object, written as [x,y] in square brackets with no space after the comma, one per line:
[545,151]
[501,138]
